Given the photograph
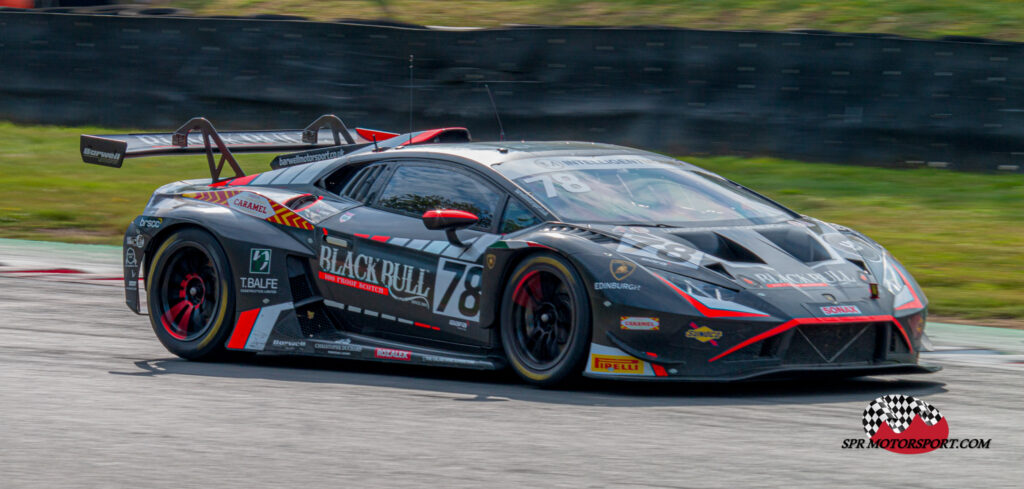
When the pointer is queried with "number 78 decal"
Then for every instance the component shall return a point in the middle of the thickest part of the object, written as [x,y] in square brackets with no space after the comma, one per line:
[457,289]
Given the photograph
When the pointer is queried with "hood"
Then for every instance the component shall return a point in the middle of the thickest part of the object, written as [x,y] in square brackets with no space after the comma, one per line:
[802,261]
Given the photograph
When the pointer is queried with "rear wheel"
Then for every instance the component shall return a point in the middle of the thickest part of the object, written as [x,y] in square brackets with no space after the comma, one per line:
[190,295]
[545,327]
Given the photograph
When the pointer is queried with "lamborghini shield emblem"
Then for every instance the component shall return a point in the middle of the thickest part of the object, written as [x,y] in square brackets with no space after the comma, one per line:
[621,269]
[490,261]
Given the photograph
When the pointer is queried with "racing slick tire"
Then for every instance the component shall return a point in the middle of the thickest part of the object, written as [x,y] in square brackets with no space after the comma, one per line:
[545,320]
[190,295]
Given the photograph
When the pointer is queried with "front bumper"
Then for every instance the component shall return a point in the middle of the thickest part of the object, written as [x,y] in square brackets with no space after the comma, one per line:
[736,350]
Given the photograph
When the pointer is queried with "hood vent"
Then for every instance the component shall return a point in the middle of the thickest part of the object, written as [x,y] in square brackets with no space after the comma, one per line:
[719,247]
[718,267]
[798,243]
[860,264]
[580,232]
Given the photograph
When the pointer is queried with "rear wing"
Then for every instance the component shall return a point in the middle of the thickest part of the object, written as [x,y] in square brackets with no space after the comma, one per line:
[328,134]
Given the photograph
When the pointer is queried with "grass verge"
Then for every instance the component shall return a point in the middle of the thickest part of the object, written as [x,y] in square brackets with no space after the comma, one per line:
[959,233]
[998,19]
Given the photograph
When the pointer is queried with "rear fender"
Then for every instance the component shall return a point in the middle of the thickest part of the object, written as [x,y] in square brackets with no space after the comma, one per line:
[256,249]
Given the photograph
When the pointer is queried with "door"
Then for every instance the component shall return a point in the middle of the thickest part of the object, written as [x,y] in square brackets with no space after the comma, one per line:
[397,279]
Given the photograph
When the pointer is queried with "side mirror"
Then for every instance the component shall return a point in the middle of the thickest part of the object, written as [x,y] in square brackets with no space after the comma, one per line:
[450,220]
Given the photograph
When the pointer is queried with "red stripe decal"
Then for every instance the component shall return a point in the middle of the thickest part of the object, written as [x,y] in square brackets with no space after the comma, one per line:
[914,304]
[242,329]
[788,284]
[792,323]
[243,180]
[364,236]
[422,325]
[659,370]
[707,311]
[51,270]
[381,239]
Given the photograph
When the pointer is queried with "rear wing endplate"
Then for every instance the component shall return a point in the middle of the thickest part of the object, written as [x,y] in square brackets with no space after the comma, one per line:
[199,136]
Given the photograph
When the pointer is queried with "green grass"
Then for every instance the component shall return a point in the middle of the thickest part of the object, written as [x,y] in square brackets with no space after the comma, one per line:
[959,233]
[999,19]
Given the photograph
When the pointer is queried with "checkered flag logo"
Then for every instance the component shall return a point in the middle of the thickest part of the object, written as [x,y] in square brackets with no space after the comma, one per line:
[898,412]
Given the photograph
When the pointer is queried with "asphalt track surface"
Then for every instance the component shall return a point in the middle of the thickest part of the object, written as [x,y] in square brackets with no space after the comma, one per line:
[89,398]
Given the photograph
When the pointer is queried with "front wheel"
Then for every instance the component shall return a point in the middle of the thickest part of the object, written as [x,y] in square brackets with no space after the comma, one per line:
[545,321]
[190,295]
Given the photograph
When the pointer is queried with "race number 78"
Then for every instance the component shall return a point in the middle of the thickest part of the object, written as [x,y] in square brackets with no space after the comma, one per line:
[457,289]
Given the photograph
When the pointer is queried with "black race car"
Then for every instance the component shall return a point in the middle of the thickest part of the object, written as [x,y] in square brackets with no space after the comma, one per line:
[554,258]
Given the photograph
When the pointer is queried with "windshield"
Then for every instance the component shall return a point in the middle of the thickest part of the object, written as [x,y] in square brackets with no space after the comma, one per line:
[637,191]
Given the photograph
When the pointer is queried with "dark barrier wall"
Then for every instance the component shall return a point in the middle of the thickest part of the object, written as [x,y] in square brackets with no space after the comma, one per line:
[813,96]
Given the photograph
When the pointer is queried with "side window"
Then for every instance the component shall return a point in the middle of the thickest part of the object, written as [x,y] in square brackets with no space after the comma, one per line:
[517,217]
[416,189]
[356,183]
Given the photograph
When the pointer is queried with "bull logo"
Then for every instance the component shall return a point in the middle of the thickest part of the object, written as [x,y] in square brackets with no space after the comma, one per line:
[621,269]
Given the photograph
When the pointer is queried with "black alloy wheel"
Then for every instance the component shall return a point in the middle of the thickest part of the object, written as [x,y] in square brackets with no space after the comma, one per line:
[545,320]
[190,294]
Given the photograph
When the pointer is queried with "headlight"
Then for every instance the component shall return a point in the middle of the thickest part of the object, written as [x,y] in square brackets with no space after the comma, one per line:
[699,288]
[904,295]
[890,277]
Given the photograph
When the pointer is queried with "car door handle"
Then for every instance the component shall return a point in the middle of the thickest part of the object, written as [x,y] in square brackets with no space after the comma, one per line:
[341,243]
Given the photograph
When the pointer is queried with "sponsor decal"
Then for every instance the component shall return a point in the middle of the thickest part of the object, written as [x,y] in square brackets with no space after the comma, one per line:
[288,344]
[136,241]
[336,279]
[132,279]
[340,347]
[621,269]
[839,310]
[378,275]
[259,261]
[302,158]
[616,364]
[703,334]
[460,325]
[615,286]
[345,217]
[129,258]
[903,424]
[491,260]
[149,222]
[389,354]
[103,156]
[254,205]
[638,323]
[257,285]
[251,204]
[448,360]
[824,279]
